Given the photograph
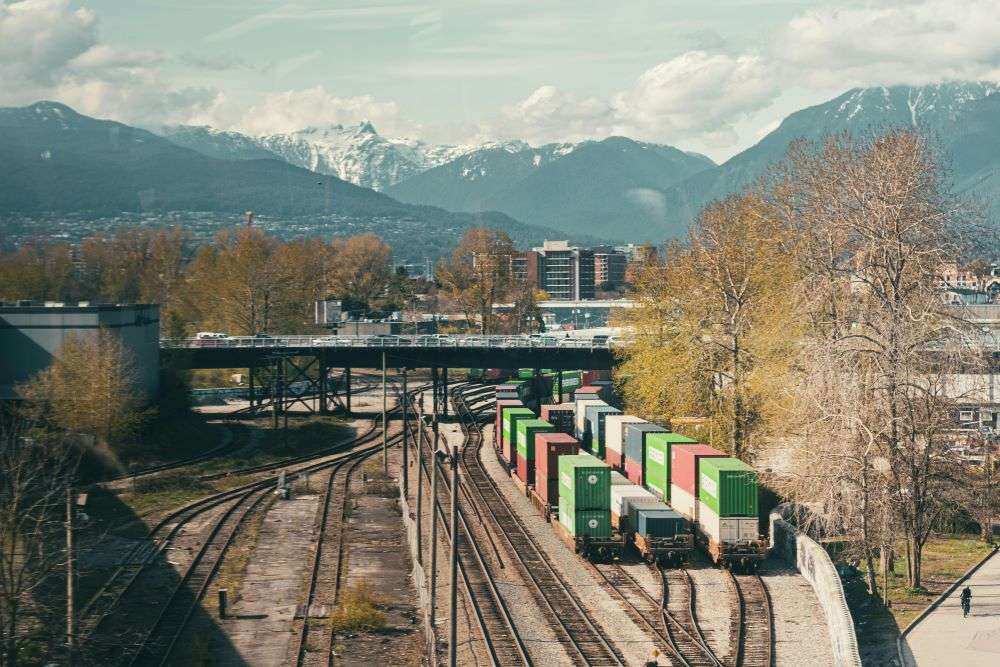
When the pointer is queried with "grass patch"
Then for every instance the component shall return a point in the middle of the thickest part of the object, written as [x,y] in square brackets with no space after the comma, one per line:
[138,504]
[357,611]
[946,558]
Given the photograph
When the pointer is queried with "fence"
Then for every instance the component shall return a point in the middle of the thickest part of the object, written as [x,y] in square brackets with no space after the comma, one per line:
[813,563]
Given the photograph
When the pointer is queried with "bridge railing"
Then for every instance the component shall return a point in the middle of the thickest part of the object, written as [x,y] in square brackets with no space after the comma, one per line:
[393,341]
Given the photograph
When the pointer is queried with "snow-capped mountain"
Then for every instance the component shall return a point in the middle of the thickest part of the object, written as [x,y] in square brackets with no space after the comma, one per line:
[355,153]
[359,154]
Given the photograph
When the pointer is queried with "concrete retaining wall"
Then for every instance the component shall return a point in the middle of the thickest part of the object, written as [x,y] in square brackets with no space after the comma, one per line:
[418,574]
[813,563]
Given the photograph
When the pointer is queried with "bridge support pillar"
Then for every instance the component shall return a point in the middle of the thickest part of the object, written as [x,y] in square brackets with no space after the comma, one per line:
[434,390]
[324,371]
[251,371]
[347,389]
[444,389]
[559,386]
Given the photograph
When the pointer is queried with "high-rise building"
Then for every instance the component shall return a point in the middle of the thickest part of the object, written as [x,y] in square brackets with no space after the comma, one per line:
[609,266]
[564,271]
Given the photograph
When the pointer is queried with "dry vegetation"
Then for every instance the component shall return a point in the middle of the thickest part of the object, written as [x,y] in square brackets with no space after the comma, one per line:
[357,610]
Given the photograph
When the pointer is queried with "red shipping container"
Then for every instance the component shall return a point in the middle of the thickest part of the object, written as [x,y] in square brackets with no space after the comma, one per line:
[684,465]
[586,389]
[635,472]
[548,448]
[498,427]
[589,377]
[525,470]
[613,458]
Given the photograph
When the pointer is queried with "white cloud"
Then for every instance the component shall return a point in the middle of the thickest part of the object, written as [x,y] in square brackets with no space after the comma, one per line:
[51,50]
[695,95]
[297,109]
[900,42]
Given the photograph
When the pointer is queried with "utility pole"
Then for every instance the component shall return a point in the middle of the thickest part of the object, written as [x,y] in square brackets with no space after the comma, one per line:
[420,478]
[385,421]
[453,605]
[434,523]
[406,449]
[70,582]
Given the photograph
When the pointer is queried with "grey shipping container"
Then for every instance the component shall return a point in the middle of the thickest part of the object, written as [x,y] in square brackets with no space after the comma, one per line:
[635,438]
[660,522]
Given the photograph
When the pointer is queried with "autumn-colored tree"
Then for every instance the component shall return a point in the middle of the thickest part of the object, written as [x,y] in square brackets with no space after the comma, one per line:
[478,275]
[714,330]
[235,283]
[90,388]
[39,271]
[362,271]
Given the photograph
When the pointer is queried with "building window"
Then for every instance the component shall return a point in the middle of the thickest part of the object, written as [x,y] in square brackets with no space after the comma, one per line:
[965,415]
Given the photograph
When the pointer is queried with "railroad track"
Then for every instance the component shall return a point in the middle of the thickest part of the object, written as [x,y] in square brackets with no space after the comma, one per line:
[501,639]
[101,630]
[584,641]
[754,626]
[327,563]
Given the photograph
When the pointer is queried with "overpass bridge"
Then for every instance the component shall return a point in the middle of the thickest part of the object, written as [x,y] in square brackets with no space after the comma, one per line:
[311,359]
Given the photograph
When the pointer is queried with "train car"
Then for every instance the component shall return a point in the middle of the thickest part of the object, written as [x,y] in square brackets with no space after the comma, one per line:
[728,523]
[510,418]
[548,448]
[614,438]
[660,534]
[559,415]
[571,381]
[527,429]
[580,419]
[498,424]
[596,416]
[584,508]
[496,374]
[648,450]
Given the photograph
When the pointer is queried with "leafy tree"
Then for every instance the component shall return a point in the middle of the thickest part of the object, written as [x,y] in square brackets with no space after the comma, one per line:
[362,270]
[478,274]
[42,271]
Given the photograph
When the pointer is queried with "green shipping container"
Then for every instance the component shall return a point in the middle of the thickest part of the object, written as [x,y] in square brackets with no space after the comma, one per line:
[525,373]
[727,486]
[584,482]
[657,476]
[526,430]
[510,418]
[586,523]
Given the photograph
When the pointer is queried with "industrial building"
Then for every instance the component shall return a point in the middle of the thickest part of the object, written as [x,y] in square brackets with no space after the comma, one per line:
[31,334]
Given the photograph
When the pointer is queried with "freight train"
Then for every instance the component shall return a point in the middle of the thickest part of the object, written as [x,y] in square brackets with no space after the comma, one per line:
[610,482]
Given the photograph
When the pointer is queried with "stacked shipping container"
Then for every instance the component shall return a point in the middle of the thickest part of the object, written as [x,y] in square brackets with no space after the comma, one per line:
[509,432]
[634,449]
[585,496]
[727,500]
[596,415]
[614,441]
[549,447]
[656,471]
[526,431]
[683,473]
[560,416]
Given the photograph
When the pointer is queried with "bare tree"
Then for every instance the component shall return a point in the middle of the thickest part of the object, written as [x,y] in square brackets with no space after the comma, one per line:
[36,469]
[478,274]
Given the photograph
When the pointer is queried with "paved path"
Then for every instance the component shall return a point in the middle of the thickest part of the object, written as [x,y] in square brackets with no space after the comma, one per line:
[945,638]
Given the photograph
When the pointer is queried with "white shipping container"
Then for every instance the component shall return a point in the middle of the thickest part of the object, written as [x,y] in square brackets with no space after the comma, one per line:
[683,502]
[614,430]
[620,493]
[581,414]
[617,479]
[726,529]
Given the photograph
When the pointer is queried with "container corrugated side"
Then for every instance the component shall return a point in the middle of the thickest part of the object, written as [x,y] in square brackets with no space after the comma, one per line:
[620,492]
[724,529]
[526,430]
[614,427]
[581,415]
[660,523]
[596,415]
[584,482]
[585,523]
[684,465]
[630,506]
[728,486]
[549,447]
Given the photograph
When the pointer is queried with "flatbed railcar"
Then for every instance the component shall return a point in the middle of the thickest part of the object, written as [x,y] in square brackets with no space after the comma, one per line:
[739,555]
[594,549]
[664,551]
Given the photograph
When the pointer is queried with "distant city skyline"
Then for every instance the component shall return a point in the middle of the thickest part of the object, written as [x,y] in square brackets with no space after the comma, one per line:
[711,77]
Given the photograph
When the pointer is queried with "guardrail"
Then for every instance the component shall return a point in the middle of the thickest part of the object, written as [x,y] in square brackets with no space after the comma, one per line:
[443,341]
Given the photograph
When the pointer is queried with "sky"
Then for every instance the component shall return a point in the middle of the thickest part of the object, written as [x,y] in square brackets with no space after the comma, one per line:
[713,76]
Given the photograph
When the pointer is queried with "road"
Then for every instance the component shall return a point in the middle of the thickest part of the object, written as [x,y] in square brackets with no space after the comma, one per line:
[944,637]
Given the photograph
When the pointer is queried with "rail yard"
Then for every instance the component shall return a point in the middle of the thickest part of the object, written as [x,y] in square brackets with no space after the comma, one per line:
[273,569]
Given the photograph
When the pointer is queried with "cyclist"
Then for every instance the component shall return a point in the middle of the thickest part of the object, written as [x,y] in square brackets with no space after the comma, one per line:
[966,601]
